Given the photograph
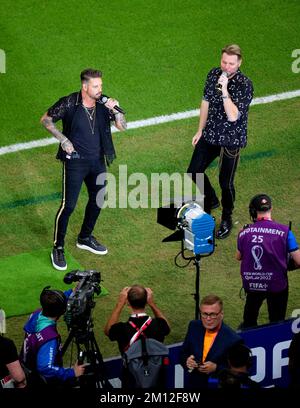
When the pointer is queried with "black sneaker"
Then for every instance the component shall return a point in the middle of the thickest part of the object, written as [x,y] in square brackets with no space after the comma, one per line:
[224,229]
[58,259]
[92,245]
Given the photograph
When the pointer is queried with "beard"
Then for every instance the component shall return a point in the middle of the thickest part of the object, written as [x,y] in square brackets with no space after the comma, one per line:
[97,96]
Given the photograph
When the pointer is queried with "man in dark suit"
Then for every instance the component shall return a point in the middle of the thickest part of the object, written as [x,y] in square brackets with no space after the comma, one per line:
[206,343]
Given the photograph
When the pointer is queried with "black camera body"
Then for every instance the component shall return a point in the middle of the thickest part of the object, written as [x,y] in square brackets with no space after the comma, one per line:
[81,301]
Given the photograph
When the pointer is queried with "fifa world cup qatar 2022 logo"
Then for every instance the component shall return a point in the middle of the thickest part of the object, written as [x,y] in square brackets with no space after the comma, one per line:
[257,252]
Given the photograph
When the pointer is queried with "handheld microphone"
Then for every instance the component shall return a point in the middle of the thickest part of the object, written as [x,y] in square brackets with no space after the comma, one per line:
[103,99]
[218,85]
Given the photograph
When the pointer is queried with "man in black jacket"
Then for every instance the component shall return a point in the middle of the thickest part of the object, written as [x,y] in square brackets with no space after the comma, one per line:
[85,148]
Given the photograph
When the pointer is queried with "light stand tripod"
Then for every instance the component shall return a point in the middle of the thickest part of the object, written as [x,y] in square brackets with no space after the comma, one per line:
[195,230]
[88,352]
[196,259]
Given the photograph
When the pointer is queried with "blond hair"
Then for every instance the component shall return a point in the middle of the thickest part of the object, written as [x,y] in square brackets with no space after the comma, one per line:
[211,300]
[232,49]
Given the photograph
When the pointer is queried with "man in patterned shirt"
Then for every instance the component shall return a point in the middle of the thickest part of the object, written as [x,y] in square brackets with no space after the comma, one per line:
[222,131]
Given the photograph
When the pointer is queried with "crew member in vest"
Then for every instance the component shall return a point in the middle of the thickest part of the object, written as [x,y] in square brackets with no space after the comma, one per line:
[86,147]
[263,249]
[41,351]
[136,297]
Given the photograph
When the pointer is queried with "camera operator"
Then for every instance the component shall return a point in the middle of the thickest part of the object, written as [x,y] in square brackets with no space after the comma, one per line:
[263,249]
[137,297]
[41,352]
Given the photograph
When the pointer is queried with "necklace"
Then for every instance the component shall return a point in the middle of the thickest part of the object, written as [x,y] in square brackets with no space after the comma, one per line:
[91,115]
[90,111]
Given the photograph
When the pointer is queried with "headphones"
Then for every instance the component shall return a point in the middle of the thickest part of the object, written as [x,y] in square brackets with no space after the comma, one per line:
[260,202]
[53,302]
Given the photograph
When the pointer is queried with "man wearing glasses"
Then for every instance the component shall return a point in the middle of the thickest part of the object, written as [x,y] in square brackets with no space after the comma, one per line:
[206,343]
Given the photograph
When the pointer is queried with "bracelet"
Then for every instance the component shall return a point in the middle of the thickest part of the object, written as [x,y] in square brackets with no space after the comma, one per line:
[224,97]
[64,141]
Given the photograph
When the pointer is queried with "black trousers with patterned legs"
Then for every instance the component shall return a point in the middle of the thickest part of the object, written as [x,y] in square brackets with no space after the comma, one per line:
[203,155]
[75,173]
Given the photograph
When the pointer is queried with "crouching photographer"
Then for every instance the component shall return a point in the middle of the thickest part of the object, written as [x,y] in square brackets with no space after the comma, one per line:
[41,352]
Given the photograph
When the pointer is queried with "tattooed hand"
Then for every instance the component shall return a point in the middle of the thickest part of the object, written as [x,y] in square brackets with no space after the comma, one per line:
[110,103]
[48,123]
[120,120]
[67,146]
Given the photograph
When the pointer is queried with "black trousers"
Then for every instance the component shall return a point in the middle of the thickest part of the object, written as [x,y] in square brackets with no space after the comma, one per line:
[276,302]
[204,154]
[75,172]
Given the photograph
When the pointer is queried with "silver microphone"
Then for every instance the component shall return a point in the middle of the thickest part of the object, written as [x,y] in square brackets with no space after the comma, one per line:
[218,85]
[103,99]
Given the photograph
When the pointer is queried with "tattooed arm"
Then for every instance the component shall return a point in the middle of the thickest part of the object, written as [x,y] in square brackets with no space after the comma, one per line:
[48,124]
[120,121]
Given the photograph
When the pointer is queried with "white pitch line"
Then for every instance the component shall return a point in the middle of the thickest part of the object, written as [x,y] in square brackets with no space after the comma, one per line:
[148,122]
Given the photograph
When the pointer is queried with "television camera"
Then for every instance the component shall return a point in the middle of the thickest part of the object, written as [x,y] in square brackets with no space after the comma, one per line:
[81,301]
[78,318]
